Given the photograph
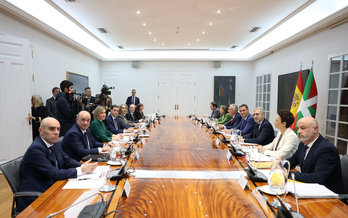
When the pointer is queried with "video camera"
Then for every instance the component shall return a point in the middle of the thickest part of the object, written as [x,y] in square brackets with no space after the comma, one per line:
[105,90]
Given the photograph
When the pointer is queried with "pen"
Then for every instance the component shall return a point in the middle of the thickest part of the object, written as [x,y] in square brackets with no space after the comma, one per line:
[83,179]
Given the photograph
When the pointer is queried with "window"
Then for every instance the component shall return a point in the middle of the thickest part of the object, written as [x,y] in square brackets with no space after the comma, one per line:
[263,93]
[337,109]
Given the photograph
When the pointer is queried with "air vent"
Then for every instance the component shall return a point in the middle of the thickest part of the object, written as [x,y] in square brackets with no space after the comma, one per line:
[102,30]
[72,0]
[234,46]
[254,29]
[120,47]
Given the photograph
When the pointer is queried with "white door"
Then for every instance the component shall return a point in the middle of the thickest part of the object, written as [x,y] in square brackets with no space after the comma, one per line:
[15,89]
[176,93]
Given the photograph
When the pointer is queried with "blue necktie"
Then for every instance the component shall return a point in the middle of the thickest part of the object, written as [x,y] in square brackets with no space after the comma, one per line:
[305,147]
[115,124]
[54,157]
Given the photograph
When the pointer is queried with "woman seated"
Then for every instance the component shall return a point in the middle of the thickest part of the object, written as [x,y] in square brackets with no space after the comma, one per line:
[225,116]
[286,142]
[122,116]
[139,114]
[99,132]
[38,113]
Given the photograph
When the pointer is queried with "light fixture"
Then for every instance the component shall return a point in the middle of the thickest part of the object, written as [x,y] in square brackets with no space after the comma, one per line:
[162,43]
[144,24]
[138,12]
[203,32]
[210,24]
[155,40]
[150,33]
[188,44]
[197,40]
[218,11]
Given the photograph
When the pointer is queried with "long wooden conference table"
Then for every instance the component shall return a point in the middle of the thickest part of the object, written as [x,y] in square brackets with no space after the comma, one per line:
[182,172]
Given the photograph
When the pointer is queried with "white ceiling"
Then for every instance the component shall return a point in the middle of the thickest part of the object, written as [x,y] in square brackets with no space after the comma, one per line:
[177,25]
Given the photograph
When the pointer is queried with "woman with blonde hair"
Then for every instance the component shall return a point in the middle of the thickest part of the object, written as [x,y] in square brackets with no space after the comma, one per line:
[38,113]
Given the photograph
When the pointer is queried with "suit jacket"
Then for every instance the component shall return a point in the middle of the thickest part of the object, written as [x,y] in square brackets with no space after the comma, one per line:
[129,101]
[262,134]
[215,113]
[125,121]
[110,125]
[130,118]
[287,145]
[139,115]
[51,106]
[99,131]
[322,165]
[232,123]
[39,113]
[39,172]
[249,125]
[75,144]
[66,113]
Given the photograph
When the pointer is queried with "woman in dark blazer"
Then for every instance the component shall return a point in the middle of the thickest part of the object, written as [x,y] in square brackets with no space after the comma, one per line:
[38,113]
[139,114]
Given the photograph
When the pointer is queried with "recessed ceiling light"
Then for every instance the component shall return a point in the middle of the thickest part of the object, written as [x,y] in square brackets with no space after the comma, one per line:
[138,12]
[162,43]
[144,24]
[189,44]
[155,40]
[203,32]
[210,24]
[150,33]
[218,11]
[197,40]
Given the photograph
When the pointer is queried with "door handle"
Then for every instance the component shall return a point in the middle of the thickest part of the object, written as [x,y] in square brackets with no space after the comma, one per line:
[28,118]
[177,107]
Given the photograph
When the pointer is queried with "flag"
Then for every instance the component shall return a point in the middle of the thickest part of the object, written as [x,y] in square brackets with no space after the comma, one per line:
[297,98]
[308,104]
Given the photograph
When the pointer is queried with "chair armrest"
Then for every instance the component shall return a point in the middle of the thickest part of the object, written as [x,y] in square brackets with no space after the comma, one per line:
[21,194]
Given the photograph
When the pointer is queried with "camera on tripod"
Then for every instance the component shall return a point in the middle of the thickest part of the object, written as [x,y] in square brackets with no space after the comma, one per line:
[106,90]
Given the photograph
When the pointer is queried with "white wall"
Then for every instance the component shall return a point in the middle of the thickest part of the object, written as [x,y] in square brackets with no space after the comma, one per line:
[52,58]
[318,48]
[145,80]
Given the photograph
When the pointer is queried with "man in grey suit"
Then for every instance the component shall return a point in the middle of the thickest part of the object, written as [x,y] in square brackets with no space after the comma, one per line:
[215,111]
[51,102]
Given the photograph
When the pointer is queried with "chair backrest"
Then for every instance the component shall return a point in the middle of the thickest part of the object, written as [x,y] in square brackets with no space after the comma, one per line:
[60,140]
[12,172]
[344,166]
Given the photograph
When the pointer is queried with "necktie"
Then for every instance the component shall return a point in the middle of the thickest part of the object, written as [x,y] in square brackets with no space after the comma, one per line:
[53,157]
[87,140]
[276,147]
[244,124]
[232,121]
[257,131]
[115,123]
[132,116]
[133,100]
[305,147]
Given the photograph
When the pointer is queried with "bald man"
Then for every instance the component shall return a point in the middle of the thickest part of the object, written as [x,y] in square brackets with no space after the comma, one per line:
[78,141]
[318,158]
[45,162]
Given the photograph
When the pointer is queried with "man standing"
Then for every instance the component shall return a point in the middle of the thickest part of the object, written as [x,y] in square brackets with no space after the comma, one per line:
[89,100]
[263,133]
[51,102]
[132,99]
[67,107]
[78,141]
[318,157]
[114,124]
[215,111]
[44,163]
[247,124]
[235,117]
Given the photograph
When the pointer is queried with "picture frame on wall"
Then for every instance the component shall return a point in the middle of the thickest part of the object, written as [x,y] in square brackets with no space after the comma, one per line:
[224,90]
[80,81]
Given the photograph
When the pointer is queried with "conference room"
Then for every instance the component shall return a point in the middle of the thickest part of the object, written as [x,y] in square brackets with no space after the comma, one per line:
[177,56]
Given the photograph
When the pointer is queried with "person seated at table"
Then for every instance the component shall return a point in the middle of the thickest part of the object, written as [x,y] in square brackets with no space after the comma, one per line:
[99,132]
[45,162]
[139,114]
[130,115]
[247,124]
[235,117]
[286,142]
[263,133]
[122,117]
[215,111]
[224,116]
[78,141]
[318,157]
[114,124]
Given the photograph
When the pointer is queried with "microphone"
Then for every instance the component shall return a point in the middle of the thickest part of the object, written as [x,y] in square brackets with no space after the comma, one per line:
[93,210]
[255,175]
[293,180]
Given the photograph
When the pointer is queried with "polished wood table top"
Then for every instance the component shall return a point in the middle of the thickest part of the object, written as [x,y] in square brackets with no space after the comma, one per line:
[181,172]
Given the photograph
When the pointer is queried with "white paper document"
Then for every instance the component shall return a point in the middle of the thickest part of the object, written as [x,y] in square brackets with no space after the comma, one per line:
[310,190]
[91,180]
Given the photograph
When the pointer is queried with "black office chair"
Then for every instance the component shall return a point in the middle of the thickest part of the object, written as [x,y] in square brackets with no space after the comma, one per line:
[12,172]
[344,166]
[60,140]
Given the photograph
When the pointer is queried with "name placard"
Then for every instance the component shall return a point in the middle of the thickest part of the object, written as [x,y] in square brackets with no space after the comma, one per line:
[126,189]
[136,155]
[229,155]
[217,142]
[243,182]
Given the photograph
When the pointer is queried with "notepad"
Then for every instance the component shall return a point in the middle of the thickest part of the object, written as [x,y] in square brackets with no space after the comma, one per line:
[262,164]
[311,190]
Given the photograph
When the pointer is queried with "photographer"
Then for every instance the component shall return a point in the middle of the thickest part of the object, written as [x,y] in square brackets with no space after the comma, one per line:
[67,107]
[104,99]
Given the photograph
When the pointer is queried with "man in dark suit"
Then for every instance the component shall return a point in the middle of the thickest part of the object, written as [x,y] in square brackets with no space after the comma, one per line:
[215,111]
[67,107]
[132,99]
[131,116]
[247,124]
[235,117]
[114,124]
[263,133]
[45,162]
[89,100]
[51,102]
[318,157]
[78,141]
